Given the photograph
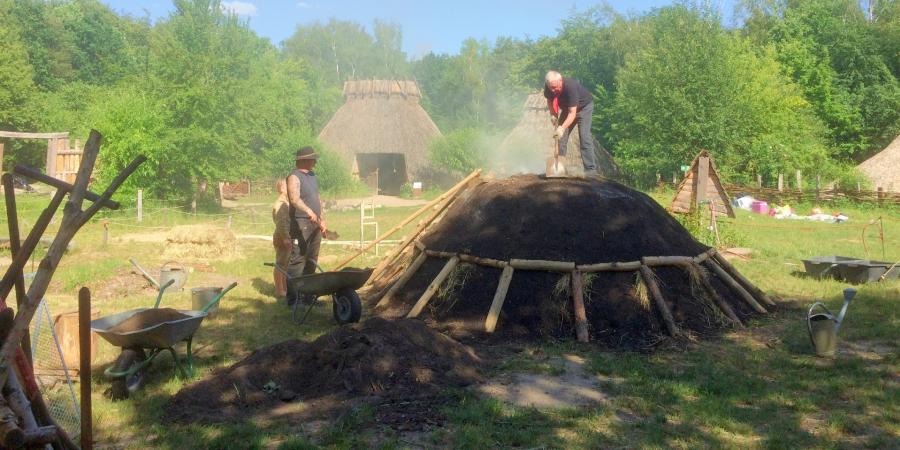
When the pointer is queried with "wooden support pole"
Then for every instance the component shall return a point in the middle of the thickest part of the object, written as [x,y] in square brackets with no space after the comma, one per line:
[758,180]
[84,353]
[11,436]
[432,288]
[37,175]
[757,292]
[537,264]
[780,182]
[434,203]
[437,254]
[490,323]
[735,286]
[799,181]
[704,256]
[495,263]
[43,435]
[713,295]
[12,219]
[610,267]
[140,205]
[407,275]
[702,181]
[581,327]
[656,294]
[653,261]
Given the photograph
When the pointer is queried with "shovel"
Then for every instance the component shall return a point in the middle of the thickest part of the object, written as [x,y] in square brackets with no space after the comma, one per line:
[556,164]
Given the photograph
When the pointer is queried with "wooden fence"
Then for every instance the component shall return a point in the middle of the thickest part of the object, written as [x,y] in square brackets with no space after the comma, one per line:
[880,196]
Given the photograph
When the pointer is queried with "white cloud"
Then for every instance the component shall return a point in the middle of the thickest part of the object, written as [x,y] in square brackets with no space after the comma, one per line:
[239,8]
[304,5]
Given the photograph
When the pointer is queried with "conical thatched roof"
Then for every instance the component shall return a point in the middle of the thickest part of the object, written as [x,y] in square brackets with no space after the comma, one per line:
[381,116]
[530,143]
[884,168]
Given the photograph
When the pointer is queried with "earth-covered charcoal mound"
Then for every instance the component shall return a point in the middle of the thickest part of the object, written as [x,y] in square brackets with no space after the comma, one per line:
[387,359]
[585,221]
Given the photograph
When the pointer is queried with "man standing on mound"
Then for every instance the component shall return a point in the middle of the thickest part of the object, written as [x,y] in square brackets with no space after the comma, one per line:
[308,223]
[571,104]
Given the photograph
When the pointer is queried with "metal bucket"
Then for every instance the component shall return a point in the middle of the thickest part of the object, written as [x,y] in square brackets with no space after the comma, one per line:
[173,271]
[201,296]
[823,333]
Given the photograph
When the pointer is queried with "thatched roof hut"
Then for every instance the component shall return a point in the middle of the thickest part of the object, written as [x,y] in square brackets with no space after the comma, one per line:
[884,168]
[527,147]
[382,131]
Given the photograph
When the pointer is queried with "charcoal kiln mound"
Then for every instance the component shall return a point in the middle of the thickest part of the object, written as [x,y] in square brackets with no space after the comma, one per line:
[377,359]
[558,238]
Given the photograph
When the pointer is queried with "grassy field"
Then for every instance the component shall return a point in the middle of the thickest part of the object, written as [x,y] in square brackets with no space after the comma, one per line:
[756,388]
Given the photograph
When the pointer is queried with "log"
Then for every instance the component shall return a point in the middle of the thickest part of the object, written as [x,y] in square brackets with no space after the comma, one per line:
[610,267]
[12,218]
[419,245]
[451,192]
[704,256]
[43,435]
[656,294]
[23,135]
[11,436]
[737,288]
[490,323]
[714,296]
[495,263]
[37,175]
[21,258]
[439,209]
[757,292]
[407,275]
[581,327]
[537,264]
[652,261]
[432,288]
[437,254]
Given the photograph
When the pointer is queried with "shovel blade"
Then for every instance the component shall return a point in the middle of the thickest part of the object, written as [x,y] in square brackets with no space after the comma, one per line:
[556,167]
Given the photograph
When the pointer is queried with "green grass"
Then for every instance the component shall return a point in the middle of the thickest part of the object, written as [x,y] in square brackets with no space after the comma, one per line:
[756,388]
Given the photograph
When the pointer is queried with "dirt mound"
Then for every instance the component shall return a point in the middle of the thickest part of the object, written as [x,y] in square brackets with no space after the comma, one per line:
[584,221]
[200,241]
[387,359]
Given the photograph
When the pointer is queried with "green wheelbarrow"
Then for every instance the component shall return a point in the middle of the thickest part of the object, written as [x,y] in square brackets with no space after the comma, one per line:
[340,285]
[143,334]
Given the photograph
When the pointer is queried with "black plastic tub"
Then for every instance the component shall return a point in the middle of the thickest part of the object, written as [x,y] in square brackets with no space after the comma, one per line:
[868,271]
[826,266]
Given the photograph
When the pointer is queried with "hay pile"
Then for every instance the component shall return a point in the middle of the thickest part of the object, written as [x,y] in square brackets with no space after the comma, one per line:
[584,221]
[200,241]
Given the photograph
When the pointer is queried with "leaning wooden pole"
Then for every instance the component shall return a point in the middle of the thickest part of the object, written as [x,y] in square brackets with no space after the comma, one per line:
[757,292]
[713,295]
[84,354]
[656,294]
[490,322]
[407,275]
[12,219]
[581,324]
[432,288]
[434,203]
[735,286]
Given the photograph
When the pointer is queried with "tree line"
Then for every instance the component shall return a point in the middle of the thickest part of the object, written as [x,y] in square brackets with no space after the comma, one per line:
[806,85]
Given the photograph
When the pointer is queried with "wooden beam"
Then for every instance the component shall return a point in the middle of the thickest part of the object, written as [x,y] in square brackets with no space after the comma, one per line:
[21,135]
[714,296]
[537,264]
[737,288]
[581,327]
[656,294]
[36,175]
[757,292]
[490,323]
[407,275]
[432,288]
[610,267]
[702,179]
[667,260]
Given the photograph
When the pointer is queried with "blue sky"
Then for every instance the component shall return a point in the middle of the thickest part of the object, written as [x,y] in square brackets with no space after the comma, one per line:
[438,26]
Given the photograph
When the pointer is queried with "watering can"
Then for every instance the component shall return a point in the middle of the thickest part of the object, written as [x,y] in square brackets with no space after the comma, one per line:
[170,271]
[824,327]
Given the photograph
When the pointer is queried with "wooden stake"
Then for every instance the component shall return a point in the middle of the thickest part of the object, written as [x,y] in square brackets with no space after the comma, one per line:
[407,275]
[714,296]
[434,203]
[84,351]
[432,288]
[490,323]
[652,261]
[757,292]
[495,263]
[581,327]
[537,264]
[729,281]
[660,301]
[610,267]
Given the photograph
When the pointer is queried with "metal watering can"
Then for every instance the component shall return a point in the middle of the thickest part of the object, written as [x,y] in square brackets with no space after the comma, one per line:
[823,327]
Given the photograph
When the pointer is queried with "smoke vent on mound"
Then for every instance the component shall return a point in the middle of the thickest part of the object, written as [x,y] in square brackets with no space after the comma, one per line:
[543,257]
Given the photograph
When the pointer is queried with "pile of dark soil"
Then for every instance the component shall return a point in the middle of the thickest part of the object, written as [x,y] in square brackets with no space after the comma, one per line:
[382,359]
[564,219]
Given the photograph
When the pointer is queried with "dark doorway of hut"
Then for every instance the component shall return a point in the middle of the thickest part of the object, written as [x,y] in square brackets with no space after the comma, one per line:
[386,171]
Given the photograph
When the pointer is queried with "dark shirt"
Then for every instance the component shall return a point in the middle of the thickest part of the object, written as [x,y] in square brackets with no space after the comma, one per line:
[309,193]
[573,94]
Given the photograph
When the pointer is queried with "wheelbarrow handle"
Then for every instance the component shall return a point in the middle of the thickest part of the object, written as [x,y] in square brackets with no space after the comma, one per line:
[278,268]
[215,300]
[162,289]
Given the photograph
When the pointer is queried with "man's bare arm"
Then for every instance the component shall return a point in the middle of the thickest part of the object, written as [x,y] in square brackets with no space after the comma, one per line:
[570,117]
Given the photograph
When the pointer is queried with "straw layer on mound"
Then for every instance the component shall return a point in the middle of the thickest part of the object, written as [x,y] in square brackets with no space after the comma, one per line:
[200,241]
[584,221]
[389,359]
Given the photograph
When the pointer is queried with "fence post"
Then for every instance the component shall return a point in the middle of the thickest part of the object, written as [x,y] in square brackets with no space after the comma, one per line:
[229,221]
[674,178]
[105,232]
[880,195]
[140,205]
[780,182]
[818,180]
[799,181]
[759,181]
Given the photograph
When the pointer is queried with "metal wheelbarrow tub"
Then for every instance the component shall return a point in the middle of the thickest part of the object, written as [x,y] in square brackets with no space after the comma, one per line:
[162,334]
[327,283]
[825,266]
[868,271]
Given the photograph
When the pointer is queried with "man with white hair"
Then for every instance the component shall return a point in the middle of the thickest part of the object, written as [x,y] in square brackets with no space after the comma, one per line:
[571,104]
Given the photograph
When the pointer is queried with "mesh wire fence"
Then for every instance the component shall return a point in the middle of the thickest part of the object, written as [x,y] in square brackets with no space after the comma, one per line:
[53,376]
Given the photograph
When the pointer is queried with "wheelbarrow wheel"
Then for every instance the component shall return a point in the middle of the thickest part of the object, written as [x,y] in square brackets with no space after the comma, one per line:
[347,307]
[123,387]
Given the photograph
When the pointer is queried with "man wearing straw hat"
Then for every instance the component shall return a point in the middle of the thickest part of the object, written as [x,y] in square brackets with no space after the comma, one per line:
[308,223]
[571,104]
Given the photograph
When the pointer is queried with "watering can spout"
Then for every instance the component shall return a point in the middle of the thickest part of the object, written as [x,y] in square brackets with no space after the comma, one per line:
[849,293]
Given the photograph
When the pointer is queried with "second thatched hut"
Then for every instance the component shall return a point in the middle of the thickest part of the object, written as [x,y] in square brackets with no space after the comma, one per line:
[382,131]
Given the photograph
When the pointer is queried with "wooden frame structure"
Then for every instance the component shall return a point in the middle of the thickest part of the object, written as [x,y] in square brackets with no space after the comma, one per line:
[62,161]
[702,184]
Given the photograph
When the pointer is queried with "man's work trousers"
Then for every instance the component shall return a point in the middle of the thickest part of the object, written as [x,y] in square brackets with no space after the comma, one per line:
[588,155]
[304,253]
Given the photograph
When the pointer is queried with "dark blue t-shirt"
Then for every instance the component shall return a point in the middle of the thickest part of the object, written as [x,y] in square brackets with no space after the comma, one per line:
[573,94]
